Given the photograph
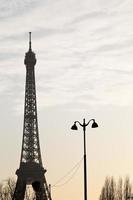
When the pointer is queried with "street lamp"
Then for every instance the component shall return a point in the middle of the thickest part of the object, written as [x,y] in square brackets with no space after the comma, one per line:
[74,127]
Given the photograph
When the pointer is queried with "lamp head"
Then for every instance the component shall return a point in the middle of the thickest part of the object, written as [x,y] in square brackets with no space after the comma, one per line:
[74,127]
[94,124]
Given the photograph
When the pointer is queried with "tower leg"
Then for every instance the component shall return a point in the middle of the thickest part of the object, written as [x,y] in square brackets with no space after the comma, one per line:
[41,194]
[19,192]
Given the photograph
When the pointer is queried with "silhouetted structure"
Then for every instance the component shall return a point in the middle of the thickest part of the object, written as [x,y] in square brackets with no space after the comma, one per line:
[31,170]
[84,125]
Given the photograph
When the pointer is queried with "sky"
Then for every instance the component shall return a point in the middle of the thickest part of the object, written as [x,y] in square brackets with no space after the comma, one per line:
[84,69]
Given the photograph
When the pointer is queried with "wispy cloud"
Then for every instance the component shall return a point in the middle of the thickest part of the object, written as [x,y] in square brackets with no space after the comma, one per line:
[83,48]
[14,8]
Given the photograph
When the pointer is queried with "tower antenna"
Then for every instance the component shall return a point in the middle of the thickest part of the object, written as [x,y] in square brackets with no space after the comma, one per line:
[30,41]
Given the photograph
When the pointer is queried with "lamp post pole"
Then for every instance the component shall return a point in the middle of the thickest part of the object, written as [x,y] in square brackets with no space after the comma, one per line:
[85,164]
[74,127]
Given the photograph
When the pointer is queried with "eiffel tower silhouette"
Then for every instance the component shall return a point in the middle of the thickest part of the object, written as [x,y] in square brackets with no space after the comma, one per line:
[31,171]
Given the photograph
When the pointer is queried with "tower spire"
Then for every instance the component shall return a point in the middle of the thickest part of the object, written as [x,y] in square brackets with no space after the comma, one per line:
[29,41]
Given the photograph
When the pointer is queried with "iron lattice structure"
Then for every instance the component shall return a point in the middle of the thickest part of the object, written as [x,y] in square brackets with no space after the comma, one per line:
[31,170]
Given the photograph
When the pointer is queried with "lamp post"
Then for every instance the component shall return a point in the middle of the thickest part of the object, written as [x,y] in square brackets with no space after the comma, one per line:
[84,125]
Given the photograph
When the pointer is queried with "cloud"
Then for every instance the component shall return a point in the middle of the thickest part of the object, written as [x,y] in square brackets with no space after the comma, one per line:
[11,8]
[81,47]
[89,16]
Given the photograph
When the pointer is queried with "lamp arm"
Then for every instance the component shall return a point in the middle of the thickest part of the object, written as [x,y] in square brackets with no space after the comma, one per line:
[90,121]
[78,123]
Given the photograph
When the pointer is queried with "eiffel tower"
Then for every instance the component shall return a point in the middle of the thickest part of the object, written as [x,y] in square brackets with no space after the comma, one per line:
[31,171]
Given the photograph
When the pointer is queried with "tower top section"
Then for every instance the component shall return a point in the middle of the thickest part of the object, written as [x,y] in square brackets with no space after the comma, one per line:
[30,58]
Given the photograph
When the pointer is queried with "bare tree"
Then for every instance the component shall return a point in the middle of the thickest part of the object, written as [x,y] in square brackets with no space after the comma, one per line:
[119,191]
[127,189]
[107,188]
[29,194]
[1,191]
[102,195]
[11,186]
[113,191]
[7,190]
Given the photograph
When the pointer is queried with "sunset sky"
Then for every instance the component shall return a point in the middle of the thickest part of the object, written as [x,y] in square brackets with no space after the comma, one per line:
[84,69]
